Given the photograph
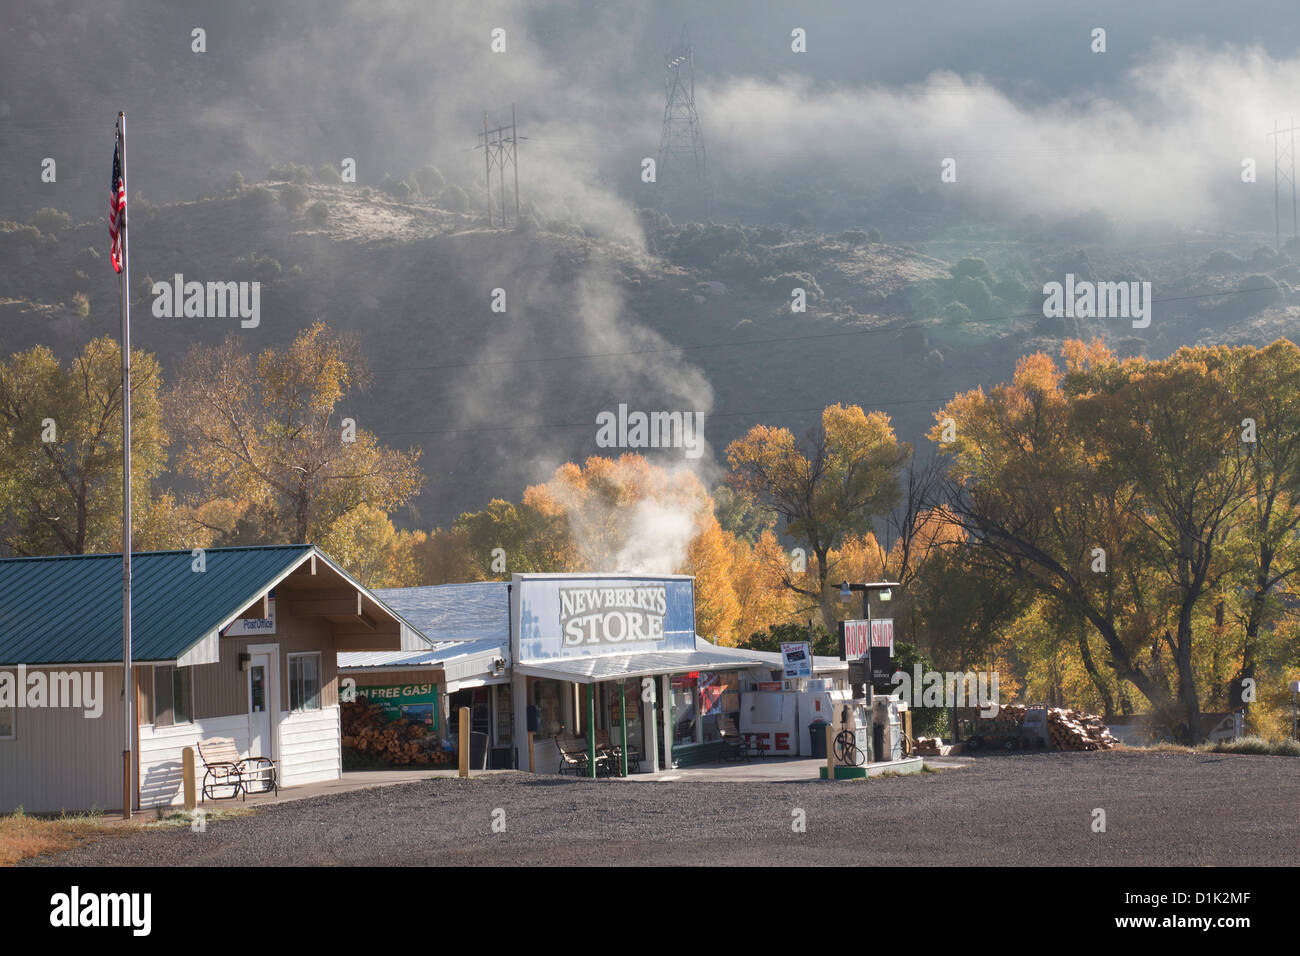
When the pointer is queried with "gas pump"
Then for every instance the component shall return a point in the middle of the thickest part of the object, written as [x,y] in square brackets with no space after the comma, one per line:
[854,725]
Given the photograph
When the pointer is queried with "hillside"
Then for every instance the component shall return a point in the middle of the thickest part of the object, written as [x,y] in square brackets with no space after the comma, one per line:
[497,400]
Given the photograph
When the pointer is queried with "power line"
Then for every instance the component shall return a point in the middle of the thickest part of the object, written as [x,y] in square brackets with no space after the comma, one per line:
[479,430]
[772,340]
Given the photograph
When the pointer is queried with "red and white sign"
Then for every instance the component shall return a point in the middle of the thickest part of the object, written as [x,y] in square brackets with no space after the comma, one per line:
[771,742]
[861,636]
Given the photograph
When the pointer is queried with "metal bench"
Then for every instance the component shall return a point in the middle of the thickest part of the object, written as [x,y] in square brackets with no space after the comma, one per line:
[735,745]
[574,757]
[615,752]
[223,767]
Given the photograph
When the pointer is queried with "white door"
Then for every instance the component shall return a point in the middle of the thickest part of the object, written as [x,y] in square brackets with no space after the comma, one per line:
[262,705]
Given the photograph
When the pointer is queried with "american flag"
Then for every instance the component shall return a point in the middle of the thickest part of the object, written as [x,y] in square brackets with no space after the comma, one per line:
[117,207]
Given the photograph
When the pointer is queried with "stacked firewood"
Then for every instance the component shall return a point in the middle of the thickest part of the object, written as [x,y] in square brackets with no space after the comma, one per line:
[1075,730]
[1008,717]
[929,746]
[367,730]
[1066,729]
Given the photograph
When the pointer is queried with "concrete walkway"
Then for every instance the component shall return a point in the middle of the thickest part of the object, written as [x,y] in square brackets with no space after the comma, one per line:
[766,770]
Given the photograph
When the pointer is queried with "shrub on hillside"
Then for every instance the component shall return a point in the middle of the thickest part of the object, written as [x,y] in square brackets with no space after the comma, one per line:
[318,214]
[453,199]
[262,268]
[50,221]
[289,173]
[429,180]
[294,197]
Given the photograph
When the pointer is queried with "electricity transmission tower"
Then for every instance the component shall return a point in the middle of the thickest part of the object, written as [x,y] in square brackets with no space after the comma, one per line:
[500,148]
[681,146]
[1283,172]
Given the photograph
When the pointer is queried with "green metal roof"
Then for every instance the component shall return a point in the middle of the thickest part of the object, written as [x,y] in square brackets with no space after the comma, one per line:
[68,609]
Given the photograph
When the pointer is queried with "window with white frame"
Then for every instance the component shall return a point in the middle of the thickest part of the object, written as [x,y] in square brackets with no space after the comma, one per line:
[172,695]
[304,682]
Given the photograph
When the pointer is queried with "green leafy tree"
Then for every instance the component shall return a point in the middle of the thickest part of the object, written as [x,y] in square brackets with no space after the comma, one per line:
[269,434]
[61,448]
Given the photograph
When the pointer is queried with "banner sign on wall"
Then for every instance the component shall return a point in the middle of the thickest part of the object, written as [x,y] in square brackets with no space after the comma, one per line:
[797,657]
[418,703]
[593,616]
[612,615]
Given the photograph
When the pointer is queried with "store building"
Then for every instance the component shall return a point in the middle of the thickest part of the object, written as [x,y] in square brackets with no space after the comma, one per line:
[588,647]
[465,665]
[523,655]
[228,642]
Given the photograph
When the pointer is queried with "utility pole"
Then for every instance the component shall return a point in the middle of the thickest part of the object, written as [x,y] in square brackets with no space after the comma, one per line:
[500,147]
[1283,156]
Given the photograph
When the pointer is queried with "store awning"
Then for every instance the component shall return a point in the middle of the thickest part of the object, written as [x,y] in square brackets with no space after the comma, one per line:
[822,666]
[464,663]
[592,670]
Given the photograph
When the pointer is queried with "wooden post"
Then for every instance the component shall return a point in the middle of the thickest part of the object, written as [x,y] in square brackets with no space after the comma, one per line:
[591,731]
[907,726]
[464,741]
[187,776]
[622,719]
[532,766]
[830,751]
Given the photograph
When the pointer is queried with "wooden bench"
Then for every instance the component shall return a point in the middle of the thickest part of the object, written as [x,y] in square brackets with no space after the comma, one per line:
[574,756]
[223,767]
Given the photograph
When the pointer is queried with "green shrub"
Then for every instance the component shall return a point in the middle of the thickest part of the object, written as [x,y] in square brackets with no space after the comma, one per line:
[294,197]
[429,180]
[318,214]
[454,199]
[259,197]
[263,268]
[327,173]
[290,173]
[50,221]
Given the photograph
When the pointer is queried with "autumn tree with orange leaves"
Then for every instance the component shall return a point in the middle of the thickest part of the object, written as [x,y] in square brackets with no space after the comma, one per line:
[824,490]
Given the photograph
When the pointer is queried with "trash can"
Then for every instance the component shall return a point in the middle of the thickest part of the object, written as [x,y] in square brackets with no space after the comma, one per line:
[817,737]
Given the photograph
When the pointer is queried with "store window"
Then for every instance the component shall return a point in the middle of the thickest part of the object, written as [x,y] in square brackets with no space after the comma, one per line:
[304,682]
[685,708]
[504,708]
[719,697]
[7,719]
[172,695]
[547,697]
[632,700]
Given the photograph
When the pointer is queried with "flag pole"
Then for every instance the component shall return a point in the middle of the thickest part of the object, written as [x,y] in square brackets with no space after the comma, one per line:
[128,682]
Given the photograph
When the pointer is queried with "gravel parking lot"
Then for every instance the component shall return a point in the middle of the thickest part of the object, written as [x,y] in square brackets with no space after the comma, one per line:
[1021,809]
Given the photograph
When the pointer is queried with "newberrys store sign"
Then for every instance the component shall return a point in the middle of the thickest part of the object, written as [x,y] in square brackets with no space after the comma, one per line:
[586,616]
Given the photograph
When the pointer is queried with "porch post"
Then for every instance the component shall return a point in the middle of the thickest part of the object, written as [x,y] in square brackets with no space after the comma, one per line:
[622,719]
[591,731]
[666,713]
[649,722]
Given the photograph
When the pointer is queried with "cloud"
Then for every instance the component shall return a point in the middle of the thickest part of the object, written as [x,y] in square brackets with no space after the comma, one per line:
[1167,145]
